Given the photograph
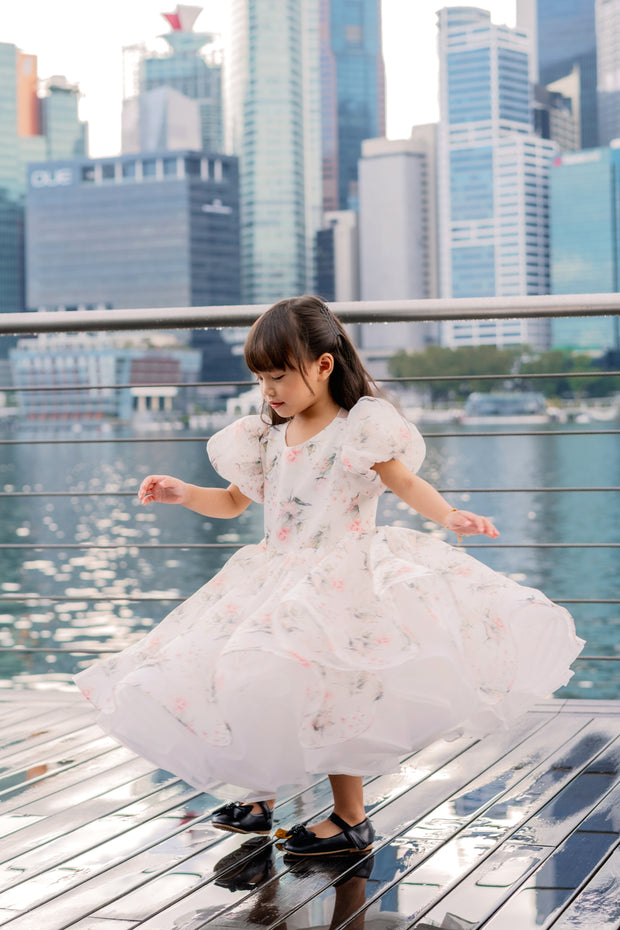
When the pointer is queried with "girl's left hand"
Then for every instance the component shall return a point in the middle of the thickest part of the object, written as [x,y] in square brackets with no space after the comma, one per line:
[465,523]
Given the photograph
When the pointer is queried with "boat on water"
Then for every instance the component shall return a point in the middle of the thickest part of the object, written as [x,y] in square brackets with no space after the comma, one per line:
[505,407]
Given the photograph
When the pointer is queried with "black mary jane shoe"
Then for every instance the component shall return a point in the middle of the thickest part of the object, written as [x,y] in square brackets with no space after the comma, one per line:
[357,839]
[238,818]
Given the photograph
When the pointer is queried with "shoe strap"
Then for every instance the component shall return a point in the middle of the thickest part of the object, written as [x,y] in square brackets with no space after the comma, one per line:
[265,809]
[348,831]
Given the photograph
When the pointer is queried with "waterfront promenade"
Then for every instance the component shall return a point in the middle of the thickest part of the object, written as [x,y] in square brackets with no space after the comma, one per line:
[517,831]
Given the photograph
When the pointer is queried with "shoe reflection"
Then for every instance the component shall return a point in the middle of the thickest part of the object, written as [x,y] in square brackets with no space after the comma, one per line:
[246,867]
[350,873]
[251,868]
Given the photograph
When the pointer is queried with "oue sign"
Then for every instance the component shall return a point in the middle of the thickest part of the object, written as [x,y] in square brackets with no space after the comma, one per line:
[47,177]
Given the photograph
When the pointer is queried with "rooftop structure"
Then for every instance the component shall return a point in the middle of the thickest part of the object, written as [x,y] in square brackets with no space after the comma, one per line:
[191,66]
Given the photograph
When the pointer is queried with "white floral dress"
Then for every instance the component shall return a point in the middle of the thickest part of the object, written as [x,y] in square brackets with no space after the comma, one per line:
[332,646]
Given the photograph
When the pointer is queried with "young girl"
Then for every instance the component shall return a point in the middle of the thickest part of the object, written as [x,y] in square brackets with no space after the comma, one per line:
[333,646]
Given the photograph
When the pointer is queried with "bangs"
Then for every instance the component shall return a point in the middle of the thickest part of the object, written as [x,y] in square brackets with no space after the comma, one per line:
[273,344]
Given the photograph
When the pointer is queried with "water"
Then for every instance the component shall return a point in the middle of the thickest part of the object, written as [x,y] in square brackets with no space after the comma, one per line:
[464,461]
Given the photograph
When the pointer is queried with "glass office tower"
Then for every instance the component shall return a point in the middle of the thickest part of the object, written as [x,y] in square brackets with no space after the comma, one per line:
[274,125]
[493,176]
[156,230]
[30,128]
[585,241]
[564,36]
[11,213]
[608,69]
[352,93]
[65,135]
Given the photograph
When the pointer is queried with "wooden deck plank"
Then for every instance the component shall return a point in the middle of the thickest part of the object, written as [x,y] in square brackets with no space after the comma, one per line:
[41,849]
[58,744]
[33,730]
[45,794]
[585,910]
[543,896]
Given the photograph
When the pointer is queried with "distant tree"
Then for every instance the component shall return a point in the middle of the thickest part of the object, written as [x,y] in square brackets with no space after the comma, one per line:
[466,361]
[563,362]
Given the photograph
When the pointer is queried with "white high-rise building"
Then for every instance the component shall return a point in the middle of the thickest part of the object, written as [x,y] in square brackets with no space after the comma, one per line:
[608,69]
[273,123]
[398,232]
[493,176]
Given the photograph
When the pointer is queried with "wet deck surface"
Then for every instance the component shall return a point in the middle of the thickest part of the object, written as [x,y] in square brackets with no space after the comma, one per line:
[516,831]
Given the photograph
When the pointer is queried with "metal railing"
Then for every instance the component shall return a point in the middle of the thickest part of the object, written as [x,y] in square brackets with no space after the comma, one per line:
[360,312]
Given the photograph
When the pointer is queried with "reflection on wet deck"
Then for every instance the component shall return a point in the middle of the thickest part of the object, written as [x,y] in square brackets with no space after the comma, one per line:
[516,831]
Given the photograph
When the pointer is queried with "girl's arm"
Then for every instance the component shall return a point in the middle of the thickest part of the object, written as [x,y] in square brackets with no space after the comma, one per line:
[210,502]
[428,502]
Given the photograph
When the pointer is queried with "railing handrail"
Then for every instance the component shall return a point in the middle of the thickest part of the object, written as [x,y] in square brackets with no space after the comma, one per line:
[526,376]
[364,311]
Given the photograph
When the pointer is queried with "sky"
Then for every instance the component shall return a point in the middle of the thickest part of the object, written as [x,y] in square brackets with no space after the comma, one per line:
[83,41]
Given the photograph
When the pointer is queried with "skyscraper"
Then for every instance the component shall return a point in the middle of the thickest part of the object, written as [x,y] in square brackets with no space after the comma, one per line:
[608,69]
[31,129]
[563,36]
[274,125]
[398,217]
[352,93]
[493,175]
[585,241]
[65,135]
[398,233]
[192,66]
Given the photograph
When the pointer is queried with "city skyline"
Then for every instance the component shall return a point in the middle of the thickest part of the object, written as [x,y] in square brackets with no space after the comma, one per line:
[52,33]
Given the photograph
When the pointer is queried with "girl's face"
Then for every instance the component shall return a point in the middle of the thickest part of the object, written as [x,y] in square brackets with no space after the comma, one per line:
[289,392]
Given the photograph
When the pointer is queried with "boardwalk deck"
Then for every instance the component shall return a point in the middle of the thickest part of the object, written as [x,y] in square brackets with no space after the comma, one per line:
[516,831]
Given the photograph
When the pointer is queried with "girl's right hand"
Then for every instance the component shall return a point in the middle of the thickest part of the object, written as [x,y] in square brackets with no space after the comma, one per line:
[162,488]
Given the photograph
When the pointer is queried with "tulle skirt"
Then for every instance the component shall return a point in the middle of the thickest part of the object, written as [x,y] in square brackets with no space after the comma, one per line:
[284,666]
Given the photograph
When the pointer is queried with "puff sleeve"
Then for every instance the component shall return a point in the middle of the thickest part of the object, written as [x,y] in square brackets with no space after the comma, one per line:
[235,453]
[377,432]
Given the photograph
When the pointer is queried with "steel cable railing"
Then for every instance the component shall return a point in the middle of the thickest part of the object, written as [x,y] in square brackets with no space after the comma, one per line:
[242,316]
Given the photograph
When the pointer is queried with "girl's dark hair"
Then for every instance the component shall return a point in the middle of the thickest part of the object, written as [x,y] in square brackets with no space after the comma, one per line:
[295,332]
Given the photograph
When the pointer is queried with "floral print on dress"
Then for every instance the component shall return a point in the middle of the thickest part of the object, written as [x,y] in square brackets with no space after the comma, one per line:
[333,645]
